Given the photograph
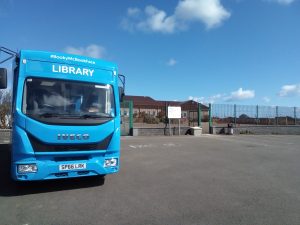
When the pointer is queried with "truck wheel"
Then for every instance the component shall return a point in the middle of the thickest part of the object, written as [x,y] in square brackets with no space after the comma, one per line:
[99,180]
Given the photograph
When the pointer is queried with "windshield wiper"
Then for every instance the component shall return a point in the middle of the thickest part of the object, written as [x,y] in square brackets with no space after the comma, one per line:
[48,115]
[66,116]
[88,116]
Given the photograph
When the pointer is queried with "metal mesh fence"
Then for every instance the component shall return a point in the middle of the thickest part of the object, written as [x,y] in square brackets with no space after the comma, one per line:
[126,118]
[297,116]
[266,115]
[286,116]
[149,117]
[223,114]
[220,115]
[156,117]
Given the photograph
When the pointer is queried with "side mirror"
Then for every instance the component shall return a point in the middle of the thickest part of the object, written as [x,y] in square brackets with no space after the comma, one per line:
[121,94]
[3,78]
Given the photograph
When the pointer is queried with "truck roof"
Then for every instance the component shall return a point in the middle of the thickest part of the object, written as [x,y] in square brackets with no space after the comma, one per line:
[65,58]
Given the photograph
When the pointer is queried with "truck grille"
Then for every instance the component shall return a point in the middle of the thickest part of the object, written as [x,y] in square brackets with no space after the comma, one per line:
[39,146]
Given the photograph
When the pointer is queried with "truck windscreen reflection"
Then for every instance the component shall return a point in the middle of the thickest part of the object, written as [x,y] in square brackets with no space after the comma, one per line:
[59,98]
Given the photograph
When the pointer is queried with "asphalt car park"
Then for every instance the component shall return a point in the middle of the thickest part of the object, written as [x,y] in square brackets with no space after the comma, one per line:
[170,180]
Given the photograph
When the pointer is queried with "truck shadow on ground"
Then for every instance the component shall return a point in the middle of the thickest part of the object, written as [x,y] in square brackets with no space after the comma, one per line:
[8,187]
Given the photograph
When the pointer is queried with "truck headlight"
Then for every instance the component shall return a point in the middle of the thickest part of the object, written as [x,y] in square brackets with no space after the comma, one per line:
[111,162]
[27,168]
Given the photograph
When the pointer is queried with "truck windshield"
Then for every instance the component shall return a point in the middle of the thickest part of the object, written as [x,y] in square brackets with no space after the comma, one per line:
[65,99]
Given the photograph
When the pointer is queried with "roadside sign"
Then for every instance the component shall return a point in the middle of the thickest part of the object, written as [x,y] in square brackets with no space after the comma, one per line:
[174,112]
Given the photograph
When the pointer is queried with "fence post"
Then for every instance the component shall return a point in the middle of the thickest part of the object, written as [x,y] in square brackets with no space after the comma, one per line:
[130,116]
[166,116]
[210,116]
[199,115]
[277,114]
[295,115]
[234,113]
[257,115]
[166,119]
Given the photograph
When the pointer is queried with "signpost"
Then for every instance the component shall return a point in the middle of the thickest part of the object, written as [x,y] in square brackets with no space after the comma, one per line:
[174,112]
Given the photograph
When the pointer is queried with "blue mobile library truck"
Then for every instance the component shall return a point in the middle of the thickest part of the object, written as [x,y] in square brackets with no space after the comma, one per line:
[66,115]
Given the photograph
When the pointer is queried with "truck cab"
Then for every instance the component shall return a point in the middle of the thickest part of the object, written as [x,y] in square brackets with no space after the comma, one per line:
[66,116]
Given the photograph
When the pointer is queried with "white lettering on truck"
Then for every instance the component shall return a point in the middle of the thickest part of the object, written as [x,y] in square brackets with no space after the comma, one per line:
[72,70]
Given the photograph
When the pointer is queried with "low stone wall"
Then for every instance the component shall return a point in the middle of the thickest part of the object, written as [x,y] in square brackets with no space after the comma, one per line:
[268,130]
[159,131]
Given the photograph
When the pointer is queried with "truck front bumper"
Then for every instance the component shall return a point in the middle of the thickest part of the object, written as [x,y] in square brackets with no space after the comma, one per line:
[50,169]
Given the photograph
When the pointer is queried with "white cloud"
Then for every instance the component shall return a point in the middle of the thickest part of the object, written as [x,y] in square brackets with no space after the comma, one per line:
[209,12]
[283,2]
[266,99]
[240,94]
[157,21]
[94,51]
[133,12]
[290,90]
[196,99]
[214,98]
[207,100]
[172,62]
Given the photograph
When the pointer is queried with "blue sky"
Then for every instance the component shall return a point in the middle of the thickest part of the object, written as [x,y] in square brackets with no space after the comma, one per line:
[220,51]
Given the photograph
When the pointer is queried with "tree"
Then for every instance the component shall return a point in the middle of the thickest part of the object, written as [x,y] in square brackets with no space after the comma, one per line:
[244,116]
[5,109]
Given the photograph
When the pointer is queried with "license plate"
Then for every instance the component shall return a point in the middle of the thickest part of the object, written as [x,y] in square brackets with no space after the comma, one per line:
[73,166]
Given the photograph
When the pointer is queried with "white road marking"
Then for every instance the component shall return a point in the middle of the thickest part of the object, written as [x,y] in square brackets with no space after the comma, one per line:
[132,146]
[142,146]
[170,145]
